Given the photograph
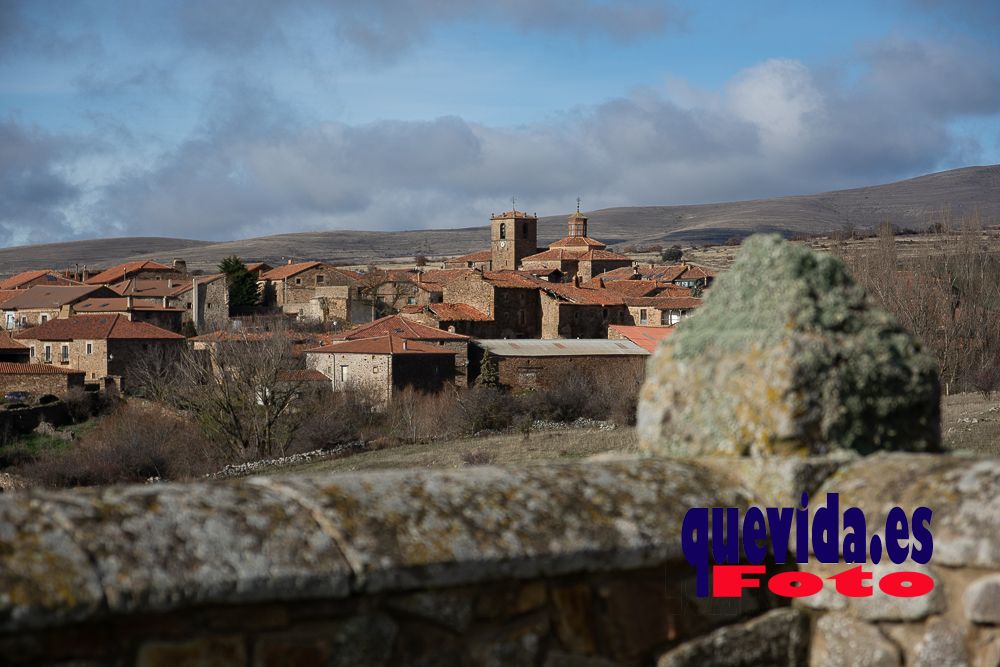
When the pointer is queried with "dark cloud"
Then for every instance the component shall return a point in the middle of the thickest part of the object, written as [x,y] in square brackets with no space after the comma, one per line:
[34,193]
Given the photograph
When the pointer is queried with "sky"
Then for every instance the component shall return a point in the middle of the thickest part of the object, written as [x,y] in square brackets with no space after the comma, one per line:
[218,119]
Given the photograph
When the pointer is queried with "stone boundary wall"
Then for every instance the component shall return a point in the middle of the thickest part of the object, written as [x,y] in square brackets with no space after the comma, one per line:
[553,564]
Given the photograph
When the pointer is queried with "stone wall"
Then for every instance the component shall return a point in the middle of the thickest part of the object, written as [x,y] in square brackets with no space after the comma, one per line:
[39,384]
[554,564]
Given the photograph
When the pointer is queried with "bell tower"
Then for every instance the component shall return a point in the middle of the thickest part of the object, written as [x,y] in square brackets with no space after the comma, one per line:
[577,222]
[513,236]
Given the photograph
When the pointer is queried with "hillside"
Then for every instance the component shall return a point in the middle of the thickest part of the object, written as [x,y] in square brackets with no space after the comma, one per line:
[912,203]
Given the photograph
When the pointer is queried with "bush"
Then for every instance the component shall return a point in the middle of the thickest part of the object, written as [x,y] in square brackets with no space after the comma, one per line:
[672,254]
[135,443]
[484,409]
[986,380]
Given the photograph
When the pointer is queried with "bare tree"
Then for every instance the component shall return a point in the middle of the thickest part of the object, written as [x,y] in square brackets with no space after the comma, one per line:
[243,392]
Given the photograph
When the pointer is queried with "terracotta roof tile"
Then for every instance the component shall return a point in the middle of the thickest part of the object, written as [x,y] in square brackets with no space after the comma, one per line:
[665,302]
[119,304]
[478,256]
[391,345]
[117,273]
[96,327]
[43,296]
[645,337]
[399,326]
[444,276]
[8,343]
[512,279]
[302,375]
[13,368]
[288,270]
[554,255]
[578,242]
[17,281]
[583,295]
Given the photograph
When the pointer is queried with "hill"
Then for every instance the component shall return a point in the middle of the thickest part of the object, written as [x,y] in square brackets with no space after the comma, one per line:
[910,204]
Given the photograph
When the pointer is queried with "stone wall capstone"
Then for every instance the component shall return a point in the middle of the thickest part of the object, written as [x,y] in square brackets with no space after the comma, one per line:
[787,356]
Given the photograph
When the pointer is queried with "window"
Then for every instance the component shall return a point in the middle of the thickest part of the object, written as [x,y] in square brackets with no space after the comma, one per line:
[90,347]
[344,374]
[48,354]
[410,300]
[643,319]
[64,356]
[298,281]
[31,351]
[503,230]
[45,318]
[524,230]
[320,278]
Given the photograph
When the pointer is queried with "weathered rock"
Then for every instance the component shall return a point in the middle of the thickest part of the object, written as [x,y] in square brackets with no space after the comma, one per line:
[779,638]
[941,646]
[787,356]
[961,492]
[841,641]
[982,600]
[881,607]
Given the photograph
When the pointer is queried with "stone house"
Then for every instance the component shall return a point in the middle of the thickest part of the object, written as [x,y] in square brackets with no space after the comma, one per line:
[684,275]
[148,270]
[380,366]
[204,300]
[314,291]
[43,277]
[41,303]
[572,311]
[101,346]
[481,260]
[454,317]
[525,365]
[38,379]
[406,328]
[508,298]
[661,310]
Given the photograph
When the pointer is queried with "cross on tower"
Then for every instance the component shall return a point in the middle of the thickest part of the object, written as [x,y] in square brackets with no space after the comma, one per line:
[513,202]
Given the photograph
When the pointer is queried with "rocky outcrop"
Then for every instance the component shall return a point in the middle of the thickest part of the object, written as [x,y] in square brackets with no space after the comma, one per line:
[788,357]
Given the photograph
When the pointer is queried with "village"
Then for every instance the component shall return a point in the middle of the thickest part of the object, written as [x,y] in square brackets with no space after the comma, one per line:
[538,314]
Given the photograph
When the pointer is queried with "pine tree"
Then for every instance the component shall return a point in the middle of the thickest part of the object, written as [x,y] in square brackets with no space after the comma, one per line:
[488,374]
[242,284]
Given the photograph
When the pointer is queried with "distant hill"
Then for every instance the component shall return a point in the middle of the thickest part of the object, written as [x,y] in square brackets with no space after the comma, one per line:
[911,204]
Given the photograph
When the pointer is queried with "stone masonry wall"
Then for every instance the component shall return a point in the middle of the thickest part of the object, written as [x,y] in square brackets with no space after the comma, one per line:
[554,564]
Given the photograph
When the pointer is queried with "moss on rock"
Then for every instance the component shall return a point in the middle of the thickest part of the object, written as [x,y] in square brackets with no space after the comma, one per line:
[788,357]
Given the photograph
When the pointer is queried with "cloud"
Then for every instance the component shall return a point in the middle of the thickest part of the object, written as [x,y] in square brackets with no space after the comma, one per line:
[34,192]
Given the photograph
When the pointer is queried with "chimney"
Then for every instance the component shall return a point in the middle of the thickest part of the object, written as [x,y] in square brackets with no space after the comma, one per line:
[179,265]
[170,283]
[576,280]
[289,260]
[128,302]
[405,344]
[600,283]
[165,304]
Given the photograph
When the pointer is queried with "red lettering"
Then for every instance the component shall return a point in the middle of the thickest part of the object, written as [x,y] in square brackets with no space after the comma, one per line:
[784,584]
[852,582]
[728,581]
[917,584]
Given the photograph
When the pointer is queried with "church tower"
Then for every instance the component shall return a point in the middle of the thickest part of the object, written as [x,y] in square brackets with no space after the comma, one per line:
[577,222]
[513,236]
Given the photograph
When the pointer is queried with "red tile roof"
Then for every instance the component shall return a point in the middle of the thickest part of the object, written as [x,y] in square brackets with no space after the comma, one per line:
[578,242]
[444,276]
[554,255]
[600,254]
[478,256]
[13,368]
[401,327]
[117,273]
[583,295]
[8,343]
[53,298]
[457,311]
[626,287]
[96,327]
[512,279]
[119,304]
[288,270]
[645,337]
[16,282]
[391,345]
[8,294]
[158,288]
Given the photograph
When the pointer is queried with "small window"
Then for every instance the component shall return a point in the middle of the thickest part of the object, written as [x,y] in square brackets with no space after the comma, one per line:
[503,230]
[45,318]
[343,374]
[642,316]
[298,281]
[410,300]
[48,354]
[90,348]
[31,351]
[524,230]
[65,354]
[320,278]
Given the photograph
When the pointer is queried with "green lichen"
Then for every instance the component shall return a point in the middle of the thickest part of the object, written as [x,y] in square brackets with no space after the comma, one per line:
[787,355]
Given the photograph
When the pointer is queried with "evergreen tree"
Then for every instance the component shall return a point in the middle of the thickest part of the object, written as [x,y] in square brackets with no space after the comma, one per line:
[242,284]
[488,374]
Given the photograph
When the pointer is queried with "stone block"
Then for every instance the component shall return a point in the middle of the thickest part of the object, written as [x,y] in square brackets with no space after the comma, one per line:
[779,638]
[841,641]
[981,600]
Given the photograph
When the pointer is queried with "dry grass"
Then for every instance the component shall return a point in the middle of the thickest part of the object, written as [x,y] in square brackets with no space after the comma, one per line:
[971,422]
[564,444]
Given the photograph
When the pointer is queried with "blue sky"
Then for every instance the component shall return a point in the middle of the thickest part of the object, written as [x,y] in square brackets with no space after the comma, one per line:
[216,119]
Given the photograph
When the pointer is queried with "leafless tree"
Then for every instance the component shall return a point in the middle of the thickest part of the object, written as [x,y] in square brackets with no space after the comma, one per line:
[243,392]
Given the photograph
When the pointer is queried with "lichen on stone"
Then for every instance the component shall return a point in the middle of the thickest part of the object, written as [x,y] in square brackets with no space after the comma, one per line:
[787,356]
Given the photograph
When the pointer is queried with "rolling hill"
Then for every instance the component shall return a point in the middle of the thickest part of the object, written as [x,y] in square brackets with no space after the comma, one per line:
[911,204]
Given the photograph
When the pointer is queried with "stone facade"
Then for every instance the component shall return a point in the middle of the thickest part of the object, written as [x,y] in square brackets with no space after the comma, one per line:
[40,384]
[515,311]
[100,358]
[513,236]
[530,373]
[562,319]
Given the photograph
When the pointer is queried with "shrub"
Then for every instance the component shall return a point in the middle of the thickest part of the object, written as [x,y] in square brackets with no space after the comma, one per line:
[136,442]
[986,380]
[484,409]
[672,254]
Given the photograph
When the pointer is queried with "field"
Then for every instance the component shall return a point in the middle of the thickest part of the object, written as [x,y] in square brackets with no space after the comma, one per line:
[969,422]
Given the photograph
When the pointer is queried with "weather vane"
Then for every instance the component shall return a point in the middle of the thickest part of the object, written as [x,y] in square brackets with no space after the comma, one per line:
[577,204]
[513,201]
